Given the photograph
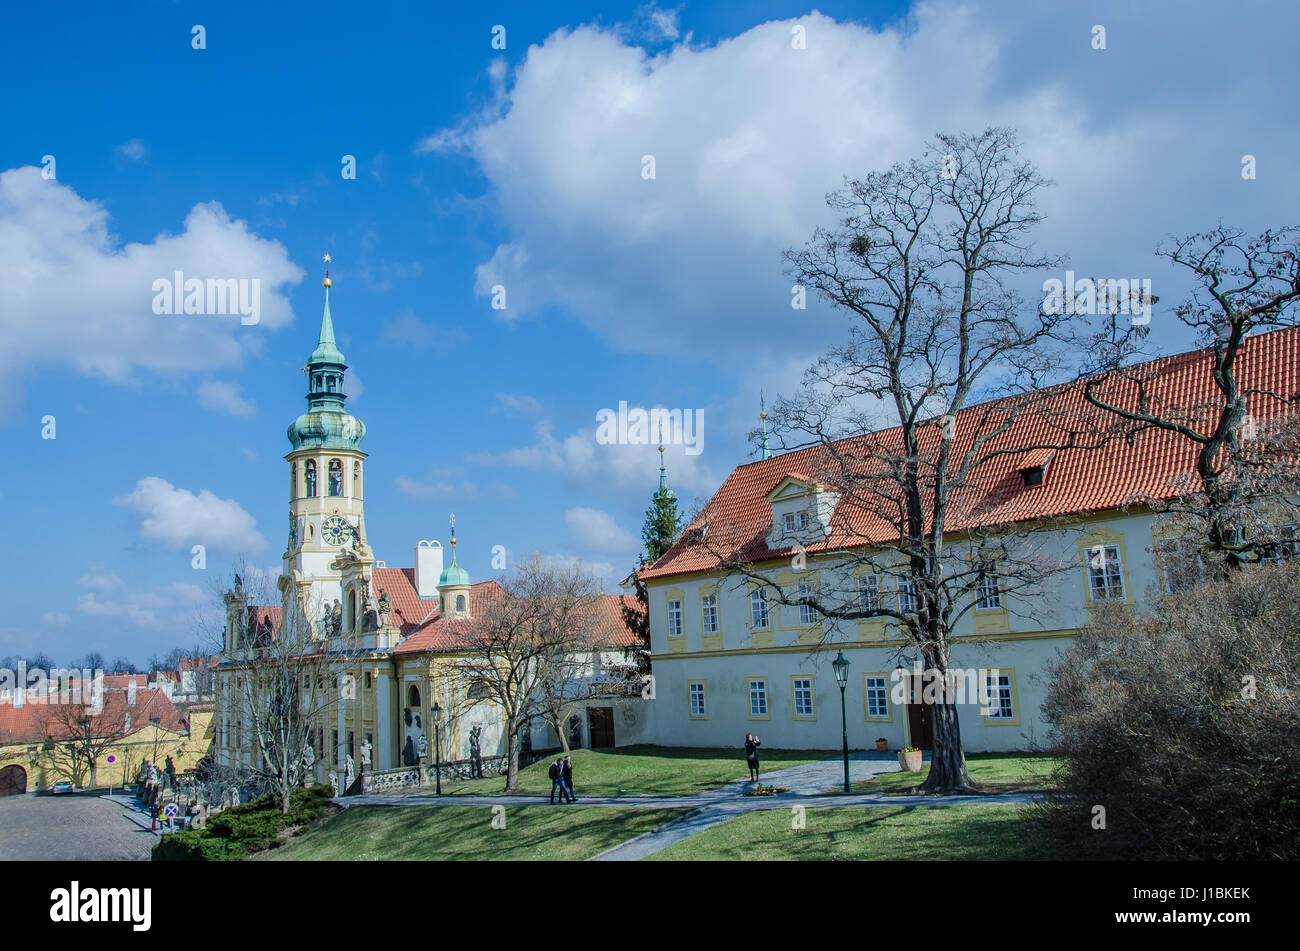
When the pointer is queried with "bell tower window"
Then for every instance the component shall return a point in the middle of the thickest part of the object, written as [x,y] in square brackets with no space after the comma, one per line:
[329,382]
[311,478]
[336,477]
[293,480]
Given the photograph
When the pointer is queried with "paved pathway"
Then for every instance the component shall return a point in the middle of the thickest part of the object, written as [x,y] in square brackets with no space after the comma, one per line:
[80,826]
[808,787]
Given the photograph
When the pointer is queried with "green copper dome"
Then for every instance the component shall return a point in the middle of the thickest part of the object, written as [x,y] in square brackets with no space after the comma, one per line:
[453,575]
[327,430]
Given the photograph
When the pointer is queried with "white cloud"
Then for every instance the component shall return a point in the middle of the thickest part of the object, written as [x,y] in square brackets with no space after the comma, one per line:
[586,462]
[133,150]
[605,571]
[75,295]
[597,530]
[748,134]
[226,397]
[176,606]
[55,619]
[181,519]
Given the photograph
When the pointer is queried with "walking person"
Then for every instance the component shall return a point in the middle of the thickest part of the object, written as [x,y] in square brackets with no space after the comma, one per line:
[566,775]
[556,772]
[751,755]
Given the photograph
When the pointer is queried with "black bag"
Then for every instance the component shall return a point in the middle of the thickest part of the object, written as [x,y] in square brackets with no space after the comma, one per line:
[554,772]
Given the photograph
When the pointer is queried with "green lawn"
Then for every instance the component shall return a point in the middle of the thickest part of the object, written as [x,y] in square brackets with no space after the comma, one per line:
[992,772]
[644,771]
[433,833]
[861,833]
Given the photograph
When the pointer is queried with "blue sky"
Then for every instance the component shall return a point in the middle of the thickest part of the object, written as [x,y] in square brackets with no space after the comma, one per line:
[520,167]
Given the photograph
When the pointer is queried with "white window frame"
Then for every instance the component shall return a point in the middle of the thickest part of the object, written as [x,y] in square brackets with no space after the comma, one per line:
[879,693]
[869,585]
[709,613]
[760,695]
[999,692]
[787,522]
[675,615]
[988,589]
[803,686]
[802,519]
[758,600]
[907,603]
[806,614]
[1109,572]
[699,710]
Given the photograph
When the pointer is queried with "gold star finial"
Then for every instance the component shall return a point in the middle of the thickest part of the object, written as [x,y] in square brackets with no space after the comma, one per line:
[326,282]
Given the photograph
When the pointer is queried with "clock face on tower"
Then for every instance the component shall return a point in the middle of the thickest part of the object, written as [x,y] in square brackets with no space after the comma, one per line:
[335,530]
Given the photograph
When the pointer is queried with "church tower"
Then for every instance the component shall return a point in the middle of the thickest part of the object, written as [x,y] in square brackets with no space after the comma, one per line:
[326,466]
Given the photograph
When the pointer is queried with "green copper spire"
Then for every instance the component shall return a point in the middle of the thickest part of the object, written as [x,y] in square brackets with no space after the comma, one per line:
[326,425]
[664,492]
[327,350]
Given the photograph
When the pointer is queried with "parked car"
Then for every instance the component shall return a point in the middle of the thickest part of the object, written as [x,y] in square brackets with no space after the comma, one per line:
[61,787]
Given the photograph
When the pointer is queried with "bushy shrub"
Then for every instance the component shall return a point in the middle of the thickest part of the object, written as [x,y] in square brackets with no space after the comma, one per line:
[1183,723]
[244,830]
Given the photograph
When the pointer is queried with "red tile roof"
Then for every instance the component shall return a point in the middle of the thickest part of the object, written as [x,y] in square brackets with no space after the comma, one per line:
[449,634]
[1080,478]
[33,722]
[409,610]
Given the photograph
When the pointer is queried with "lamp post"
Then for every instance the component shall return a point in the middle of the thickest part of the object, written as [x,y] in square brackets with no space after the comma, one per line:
[435,713]
[841,666]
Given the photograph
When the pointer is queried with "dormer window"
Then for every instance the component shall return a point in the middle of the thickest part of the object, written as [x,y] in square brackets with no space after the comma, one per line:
[788,522]
[1033,466]
[801,520]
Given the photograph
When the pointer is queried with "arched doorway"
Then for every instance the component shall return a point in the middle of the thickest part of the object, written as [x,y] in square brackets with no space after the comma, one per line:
[13,780]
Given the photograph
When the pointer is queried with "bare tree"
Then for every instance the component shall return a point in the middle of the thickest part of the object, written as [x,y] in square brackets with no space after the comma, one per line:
[520,648]
[78,735]
[1244,284]
[921,261]
[280,692]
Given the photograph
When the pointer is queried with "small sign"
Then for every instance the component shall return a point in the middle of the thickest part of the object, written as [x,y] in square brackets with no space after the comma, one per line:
[112,759]
[170,811]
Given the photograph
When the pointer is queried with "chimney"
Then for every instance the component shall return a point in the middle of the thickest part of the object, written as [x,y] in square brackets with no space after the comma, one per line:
[428,568]
[130,692]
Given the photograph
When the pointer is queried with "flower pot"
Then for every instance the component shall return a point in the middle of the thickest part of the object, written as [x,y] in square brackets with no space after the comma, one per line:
[909,762]
[882,746]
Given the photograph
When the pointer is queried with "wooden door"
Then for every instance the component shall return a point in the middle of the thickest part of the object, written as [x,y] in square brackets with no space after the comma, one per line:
[600,721]
[13,780]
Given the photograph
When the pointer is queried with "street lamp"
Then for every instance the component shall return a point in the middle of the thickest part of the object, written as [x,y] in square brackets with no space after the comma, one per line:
[841,666]
[435,714]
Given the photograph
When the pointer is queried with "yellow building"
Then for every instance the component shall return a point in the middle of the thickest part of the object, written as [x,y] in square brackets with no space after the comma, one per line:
[43,742]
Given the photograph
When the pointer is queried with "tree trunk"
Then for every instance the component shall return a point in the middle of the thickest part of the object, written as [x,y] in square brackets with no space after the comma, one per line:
[512,754]
[948,773]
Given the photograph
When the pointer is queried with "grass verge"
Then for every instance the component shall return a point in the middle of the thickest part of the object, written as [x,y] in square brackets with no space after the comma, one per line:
[439,833]
[865,833]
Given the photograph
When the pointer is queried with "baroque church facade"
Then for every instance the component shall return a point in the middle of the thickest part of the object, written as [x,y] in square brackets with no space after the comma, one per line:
[379,650]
